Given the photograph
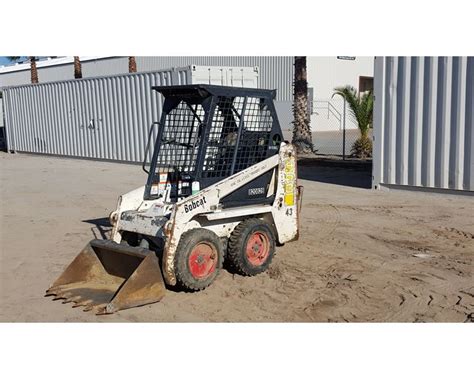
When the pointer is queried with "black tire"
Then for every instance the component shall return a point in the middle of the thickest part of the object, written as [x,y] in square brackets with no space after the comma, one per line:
[188,269]
[238,245]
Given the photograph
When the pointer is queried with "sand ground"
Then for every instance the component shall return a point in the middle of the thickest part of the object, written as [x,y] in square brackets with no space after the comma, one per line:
[363,255]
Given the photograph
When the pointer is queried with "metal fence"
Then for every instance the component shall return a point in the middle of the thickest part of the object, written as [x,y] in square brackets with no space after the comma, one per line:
[334,130]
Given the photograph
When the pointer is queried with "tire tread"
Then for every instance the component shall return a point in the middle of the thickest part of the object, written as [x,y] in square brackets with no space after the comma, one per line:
[235,254]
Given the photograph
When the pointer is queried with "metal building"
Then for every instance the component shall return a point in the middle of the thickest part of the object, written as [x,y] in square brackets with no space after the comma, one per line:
[276,72]
[104,117]
[2,127]
[423,123]
[1,113]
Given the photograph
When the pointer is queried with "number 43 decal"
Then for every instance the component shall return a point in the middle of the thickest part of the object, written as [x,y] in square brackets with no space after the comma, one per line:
[289,211]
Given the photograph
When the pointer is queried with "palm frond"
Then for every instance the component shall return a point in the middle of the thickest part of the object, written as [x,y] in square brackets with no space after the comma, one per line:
[360,107]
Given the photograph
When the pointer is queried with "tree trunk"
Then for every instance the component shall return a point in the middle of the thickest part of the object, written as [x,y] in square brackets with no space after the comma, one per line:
[132,65]
[302,138]
[77,68]
[34,70]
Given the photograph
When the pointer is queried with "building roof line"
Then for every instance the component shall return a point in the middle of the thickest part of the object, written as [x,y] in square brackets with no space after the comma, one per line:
[49,62]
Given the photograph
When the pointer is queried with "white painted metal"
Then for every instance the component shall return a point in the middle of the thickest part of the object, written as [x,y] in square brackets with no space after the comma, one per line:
[423,123]
[224,76]
[208,214]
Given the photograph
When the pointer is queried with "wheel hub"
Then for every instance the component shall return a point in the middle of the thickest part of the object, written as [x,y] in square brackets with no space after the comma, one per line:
[202,261]
[258,248]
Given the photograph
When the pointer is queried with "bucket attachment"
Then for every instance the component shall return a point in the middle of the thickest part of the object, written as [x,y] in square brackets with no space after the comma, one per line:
[107,277]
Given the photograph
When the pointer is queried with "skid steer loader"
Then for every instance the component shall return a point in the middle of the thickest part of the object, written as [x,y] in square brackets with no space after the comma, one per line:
[222,185]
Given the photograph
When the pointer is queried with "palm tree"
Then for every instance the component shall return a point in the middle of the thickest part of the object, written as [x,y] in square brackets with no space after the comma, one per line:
[34,70]
[77,68]
[132,65]
[361,109]
[301,131]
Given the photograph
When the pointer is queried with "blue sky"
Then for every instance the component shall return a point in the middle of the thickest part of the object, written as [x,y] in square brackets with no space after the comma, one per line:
[4,61]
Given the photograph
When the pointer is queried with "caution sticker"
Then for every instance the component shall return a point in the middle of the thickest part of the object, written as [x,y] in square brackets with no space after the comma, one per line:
[289,186]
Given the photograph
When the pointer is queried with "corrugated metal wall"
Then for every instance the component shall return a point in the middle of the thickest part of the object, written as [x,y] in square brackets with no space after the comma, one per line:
[423,122]
[100,118]
[16,78]
[1,113]
[103,118]
[65,71]
[45,74]
[276,72]
[102,67]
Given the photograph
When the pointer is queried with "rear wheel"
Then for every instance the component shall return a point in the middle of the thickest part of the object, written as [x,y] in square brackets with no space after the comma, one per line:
[251,247]
[198,259]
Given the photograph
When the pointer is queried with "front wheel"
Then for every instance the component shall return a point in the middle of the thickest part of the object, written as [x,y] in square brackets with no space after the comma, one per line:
[198,259]
[251,247]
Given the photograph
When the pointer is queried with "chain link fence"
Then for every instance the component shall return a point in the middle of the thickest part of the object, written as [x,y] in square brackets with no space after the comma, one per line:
[334,129]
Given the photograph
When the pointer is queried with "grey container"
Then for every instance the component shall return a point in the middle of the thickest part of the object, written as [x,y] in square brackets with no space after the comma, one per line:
[2,122]
[101,118]
[423,123]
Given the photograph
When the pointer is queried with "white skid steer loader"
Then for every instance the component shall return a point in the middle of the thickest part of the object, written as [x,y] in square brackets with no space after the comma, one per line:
[222,185]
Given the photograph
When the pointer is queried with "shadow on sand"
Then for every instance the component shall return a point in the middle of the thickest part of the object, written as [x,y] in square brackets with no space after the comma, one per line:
[101,228]
[352,173]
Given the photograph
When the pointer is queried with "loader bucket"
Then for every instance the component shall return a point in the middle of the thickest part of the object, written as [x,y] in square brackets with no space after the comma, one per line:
[106,277]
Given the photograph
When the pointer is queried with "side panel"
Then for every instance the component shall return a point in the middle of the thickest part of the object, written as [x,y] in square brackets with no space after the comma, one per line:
[205,201]
[254,192]
[423,124]
[286,206]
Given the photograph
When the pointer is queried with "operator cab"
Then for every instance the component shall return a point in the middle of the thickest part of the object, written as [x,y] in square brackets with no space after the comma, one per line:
[207,133]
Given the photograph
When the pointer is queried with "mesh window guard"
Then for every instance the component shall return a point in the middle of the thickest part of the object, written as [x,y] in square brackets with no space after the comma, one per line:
[223,135]
[180,138]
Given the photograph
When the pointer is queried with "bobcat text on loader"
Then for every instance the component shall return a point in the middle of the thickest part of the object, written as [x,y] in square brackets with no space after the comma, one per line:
[222,185]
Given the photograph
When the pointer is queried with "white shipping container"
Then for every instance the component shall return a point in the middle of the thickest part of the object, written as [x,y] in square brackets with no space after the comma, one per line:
[224,76]
[423,123]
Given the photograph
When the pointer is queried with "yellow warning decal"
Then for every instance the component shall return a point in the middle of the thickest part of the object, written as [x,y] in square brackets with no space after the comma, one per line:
[289,186]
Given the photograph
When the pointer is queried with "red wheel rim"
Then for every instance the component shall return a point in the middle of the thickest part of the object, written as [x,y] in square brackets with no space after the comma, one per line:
[258,248]
[202,260]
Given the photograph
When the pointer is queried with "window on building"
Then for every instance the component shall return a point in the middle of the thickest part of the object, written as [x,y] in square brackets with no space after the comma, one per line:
[366,83]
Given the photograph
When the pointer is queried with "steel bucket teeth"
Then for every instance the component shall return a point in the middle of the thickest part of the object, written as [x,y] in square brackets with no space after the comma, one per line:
[62,296]
[96,308]
[72,300]
[83,303]
[51,292]
[106,277]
